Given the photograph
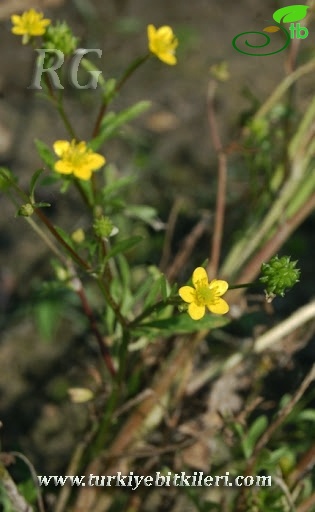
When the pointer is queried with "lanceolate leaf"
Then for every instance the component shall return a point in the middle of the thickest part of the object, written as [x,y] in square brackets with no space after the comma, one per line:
[112,122]
[45,153]
[34,180]
[182,323]
[123,246]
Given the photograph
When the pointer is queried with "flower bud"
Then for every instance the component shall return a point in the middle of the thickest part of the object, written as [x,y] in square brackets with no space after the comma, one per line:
[78,236]
[26,210]
[104,228]
[60,37]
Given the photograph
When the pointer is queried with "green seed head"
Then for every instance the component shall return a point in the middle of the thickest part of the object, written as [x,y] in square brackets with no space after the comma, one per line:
[279,275]
[60,37]
[103,227]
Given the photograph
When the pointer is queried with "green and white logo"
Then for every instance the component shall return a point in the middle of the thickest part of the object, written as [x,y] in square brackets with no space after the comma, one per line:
[290,14]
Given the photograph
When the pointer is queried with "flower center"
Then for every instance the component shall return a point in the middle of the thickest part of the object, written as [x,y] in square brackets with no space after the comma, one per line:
[205,295]
[30,22]
[76,154]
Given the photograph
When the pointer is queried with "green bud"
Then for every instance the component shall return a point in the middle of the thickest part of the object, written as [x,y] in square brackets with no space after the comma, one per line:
[220,71]
[26,210]
[60,37]
[287,463]
[104,228]
[259,128]
[6,178]
[279,275]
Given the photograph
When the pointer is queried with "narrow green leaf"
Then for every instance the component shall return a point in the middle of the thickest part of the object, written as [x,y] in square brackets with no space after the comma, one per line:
[45,153]
[41,205]
[164,287]
[142,290]
[255,431]
[124,271]
[89,66]
[112,122]
[64,235]
[146,213]
[123,246]
[153,293]
[114,188]
[47,314]
[182,323]
[308,414]
[33,182]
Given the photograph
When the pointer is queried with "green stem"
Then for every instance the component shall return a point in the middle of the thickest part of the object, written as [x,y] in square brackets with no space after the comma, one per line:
[105,425]
[244,285]
[94,328]
[158,306]
[65,119]
[83,264]
[123,352]
[83,194]
[59,105]
[115,307]
[129,71]
[46,240]
[283,87]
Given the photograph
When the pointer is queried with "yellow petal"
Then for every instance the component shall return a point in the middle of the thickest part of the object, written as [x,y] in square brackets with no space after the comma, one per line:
[220,308]
[151,31]
[95,161]
[15,19]
[187,293]
[196,312]
[63,167]
[168,58]
[61,146]
[221,286]
[83,172]
[18,31]
[198,275]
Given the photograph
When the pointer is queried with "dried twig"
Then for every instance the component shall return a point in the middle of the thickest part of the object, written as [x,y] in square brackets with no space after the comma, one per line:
[213,265]
[166,252]
[298,318]
[307,505]
[189,243]
[305,464]
[275,243]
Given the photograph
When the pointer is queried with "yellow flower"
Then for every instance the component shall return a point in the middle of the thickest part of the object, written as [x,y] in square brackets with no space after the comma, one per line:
[204,294]
[162,42]
[76,158]
[31,23]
